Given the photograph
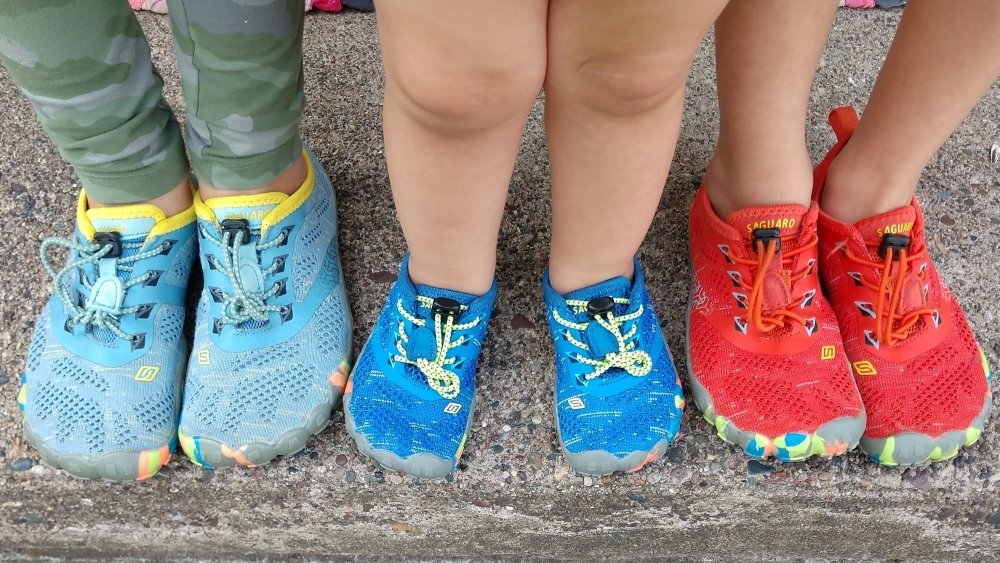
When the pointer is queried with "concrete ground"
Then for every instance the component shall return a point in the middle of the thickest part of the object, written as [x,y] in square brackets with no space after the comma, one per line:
[513,496]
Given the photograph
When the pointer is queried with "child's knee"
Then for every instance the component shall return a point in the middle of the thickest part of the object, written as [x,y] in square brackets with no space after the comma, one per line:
[626,85]
[453,101]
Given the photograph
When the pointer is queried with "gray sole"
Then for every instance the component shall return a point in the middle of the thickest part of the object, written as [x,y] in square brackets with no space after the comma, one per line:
[117,466]
[911,448]
[599,463]
[218,455]
[846,431]
[419,466]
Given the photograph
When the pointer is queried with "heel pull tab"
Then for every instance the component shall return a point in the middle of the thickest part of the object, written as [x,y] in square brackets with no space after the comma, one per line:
[844,120]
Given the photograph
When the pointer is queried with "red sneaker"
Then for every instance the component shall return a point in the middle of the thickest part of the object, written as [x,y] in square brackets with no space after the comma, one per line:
[765,357]
[924,380]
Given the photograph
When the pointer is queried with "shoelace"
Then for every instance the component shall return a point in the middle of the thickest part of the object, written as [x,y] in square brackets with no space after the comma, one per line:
[891,327]
[635,362]
[768,320]
[241,305]
[439,377]
[101,317]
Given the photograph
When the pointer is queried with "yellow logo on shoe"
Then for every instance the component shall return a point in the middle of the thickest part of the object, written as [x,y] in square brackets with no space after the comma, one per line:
[864,367]
[827,352]
[203,357]
[771,224]
[453,408]
[146,374]
[897,229]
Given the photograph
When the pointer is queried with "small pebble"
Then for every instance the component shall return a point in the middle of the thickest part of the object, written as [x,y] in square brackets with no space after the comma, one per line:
[636,498]
[395,479]
[506,428]
[22,464]
[535,460]
[382,277]
[341,459]
[757,468]
[497,449]
[675,454]
[30,518]
[350,476]
[482,503]
[588,481]
[3,379]
[293,469]
[522,475]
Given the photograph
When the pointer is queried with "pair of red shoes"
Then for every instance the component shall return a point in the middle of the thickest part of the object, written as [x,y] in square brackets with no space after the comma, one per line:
[807,335]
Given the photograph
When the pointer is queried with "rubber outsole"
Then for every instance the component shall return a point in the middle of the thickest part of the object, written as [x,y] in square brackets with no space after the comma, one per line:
[601,463]
[422,466]
[911,448]
[211,453]
[834,438]
[112,466]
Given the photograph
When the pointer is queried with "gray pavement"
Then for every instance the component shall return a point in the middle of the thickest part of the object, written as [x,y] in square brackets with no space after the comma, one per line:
[513,497]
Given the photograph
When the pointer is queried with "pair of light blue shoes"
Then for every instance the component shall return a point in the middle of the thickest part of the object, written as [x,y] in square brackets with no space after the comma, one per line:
[112,384]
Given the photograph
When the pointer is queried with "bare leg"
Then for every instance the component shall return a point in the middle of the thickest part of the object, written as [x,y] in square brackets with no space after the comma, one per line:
[944,57]
[460,80]
[614,97]
[766,51]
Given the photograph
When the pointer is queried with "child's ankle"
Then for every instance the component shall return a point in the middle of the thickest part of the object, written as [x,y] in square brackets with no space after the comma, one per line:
[732,187]
[566,279]
[464,278]
[856,191]
[177,200]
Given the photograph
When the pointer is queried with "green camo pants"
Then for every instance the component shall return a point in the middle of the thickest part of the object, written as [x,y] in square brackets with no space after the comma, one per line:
[85,66]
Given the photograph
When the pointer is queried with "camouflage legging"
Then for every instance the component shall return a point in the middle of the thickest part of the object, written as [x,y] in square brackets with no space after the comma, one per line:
[86,68]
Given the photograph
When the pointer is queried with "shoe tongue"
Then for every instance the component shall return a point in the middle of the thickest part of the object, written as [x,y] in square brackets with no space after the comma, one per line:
[787,219]
[614,287]
[252,208]
[130,221]
[896,222]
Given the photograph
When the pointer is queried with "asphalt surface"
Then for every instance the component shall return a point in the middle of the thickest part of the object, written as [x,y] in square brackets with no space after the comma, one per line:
[513,496]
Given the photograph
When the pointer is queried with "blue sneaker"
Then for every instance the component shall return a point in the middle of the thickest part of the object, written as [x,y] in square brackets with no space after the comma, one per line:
[273,334]
[101,390]
[618,398]
[410,399]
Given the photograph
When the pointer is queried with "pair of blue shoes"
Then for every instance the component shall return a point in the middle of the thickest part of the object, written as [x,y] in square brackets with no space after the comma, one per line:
[618,400]
[112,383]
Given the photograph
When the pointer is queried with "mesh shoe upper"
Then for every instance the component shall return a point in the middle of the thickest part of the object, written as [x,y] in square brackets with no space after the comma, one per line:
[619,410]
[273,324]
[765,345]
[105,364]
[391,400]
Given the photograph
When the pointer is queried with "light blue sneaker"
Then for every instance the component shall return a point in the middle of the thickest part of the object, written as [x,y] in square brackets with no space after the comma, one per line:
[618,398]
[410,399]
[273,332]
[101,389]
